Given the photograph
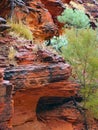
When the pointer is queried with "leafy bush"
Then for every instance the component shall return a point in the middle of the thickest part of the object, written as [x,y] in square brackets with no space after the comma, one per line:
[58,42]
[21,29]
[76,18]
[82,53]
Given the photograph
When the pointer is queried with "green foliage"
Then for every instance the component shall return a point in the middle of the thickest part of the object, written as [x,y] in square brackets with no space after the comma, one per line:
[21,29]
[82,53]
[92,102]
[76,18]
[58,42]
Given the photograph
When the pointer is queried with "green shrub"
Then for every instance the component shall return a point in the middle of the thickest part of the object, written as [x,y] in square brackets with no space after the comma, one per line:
[76,18]
[82,53]
[58,42]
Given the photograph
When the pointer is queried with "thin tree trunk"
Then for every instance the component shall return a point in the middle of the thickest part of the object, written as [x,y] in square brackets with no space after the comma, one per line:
[83,113]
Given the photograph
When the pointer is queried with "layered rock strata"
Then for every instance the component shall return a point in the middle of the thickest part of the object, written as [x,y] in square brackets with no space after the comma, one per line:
[46,77]
[41,16]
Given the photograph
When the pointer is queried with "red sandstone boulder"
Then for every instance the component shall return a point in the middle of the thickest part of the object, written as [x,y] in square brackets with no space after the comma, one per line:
[40,21]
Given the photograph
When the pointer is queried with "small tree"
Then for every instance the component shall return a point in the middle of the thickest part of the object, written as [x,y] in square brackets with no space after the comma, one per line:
[82,53]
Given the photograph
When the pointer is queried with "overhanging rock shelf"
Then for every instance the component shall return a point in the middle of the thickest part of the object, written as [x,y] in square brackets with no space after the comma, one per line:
[32,82]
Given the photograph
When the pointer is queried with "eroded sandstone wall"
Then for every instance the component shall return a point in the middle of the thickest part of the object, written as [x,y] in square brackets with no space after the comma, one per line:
[46,76]
[34,75]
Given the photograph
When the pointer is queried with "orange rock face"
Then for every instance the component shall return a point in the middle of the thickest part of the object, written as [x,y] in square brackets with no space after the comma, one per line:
[27,97]
[55,7]
[40,21]
[40,85]
[42,16]
[66,1]
[46,76]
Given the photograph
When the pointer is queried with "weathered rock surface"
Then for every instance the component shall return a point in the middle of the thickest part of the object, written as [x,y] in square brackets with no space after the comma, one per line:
[39,82]
[40,21]
[42,18]
[6,104]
